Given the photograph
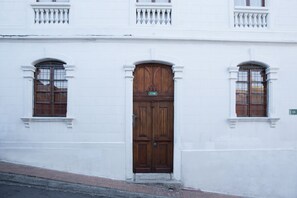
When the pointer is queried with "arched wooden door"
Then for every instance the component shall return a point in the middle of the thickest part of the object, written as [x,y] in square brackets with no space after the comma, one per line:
[153,95]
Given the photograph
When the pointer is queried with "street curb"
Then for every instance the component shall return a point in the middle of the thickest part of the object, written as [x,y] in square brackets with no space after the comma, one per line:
[16,179]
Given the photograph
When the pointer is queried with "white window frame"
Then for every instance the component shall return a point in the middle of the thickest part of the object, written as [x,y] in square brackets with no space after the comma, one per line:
[272,119]
[28,98]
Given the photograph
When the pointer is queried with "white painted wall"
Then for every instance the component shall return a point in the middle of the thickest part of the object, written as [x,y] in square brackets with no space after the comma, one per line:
[252,159]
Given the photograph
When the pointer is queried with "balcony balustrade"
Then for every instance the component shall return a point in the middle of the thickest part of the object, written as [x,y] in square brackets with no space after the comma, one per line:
[51,13]
[251,17]
[154,14]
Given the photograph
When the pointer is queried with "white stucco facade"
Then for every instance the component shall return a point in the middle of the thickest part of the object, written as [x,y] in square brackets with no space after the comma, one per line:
[101,44]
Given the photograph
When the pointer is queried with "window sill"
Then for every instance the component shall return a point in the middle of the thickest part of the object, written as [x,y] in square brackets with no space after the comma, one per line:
[271,121]
[29,120]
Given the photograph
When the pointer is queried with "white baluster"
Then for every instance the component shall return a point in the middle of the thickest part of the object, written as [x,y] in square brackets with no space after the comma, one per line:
[163,17]
[235,19]
[169,16]
[158,16]
[68,15]
[51,18]
[35,15]
[41,16]
[150,16]
[63,16]
[254,20]
[265,20]
[250,19]
[46,16]
[241,21]
[259,20]
[153,16]
[166,16]
[246,21]
[143,15]
[137,15]
[56,15]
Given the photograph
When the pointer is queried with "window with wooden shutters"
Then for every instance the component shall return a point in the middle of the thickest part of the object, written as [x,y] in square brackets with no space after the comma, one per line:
[50,90]
[251,91]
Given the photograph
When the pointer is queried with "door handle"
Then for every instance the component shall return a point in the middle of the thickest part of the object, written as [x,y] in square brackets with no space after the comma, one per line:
[155,144]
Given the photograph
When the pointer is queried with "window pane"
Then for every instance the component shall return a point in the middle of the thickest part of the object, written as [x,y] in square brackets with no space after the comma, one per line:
[42,109]
[240,2]
[59,74]
[243,76]
[241,99]
[257,88]
[60,97]
[256,3]
[242,110]
[241,88]
[60,85]
[43,97]
[257,75]
[257,110]
[60,109]
[42,85]
[43,74]
[257,99]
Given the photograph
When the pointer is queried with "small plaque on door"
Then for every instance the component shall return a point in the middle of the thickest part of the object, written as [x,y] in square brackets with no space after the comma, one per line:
[152,93]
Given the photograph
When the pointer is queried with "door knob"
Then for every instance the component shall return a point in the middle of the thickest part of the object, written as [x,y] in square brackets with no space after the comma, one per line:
[155,144]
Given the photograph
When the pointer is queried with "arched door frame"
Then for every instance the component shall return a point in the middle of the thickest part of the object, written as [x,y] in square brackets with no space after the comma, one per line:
[177,71]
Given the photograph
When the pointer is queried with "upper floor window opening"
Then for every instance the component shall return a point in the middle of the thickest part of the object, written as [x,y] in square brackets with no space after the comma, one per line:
[251,91]
[153,1]
[50,89]
[52,0]
[252,3]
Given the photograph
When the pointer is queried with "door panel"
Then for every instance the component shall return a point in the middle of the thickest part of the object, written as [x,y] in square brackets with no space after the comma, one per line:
[142,121]
[162,160]
[142,157]
[153,119]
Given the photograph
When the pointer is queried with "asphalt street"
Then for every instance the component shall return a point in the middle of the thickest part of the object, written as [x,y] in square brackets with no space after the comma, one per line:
[10,190]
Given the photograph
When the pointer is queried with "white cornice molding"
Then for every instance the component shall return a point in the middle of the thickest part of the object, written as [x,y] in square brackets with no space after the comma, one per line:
[241,37]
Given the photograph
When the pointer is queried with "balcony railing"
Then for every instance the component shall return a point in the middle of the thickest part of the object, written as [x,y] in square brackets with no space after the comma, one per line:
[51,13]
[251,17]
[154,14]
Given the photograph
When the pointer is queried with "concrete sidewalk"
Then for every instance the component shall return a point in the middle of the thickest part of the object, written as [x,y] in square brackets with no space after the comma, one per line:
[40,177]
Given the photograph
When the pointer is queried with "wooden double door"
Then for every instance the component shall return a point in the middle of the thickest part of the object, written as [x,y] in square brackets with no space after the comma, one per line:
[153,119]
